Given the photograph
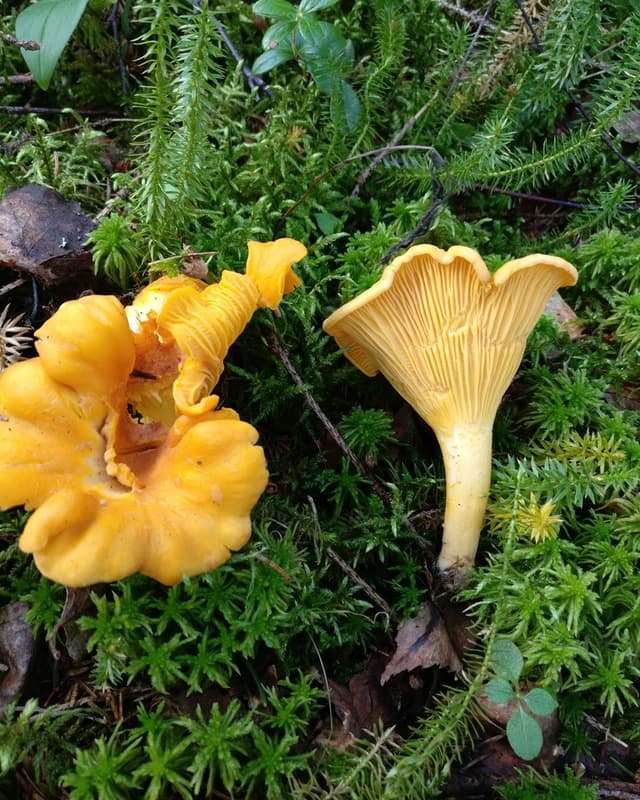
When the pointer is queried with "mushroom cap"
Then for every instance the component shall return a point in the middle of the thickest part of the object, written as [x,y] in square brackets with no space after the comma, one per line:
[447,334]
[191,513]
[114,495]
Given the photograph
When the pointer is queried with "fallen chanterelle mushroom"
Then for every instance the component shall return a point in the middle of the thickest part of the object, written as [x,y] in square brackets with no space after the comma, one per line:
[112,436]
[449,337]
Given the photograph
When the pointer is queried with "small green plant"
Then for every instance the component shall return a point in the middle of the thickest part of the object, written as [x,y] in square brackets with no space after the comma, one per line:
[533,786]
[318,45]
[117,252]
[523,729]
[367,431]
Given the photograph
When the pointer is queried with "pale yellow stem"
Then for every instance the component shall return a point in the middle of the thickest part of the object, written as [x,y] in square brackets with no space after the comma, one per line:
[466,450]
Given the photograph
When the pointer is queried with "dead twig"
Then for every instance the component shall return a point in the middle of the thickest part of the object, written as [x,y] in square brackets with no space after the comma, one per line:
[538,48]
[536,198]
[335,434]
[254,81]
[318,179]
[471,16]
[483,23]
[331,429]
[384,152]
[439,195]
[112,22]
[25,44]
[617,790]
[87,112]
[368,590]
[25,77]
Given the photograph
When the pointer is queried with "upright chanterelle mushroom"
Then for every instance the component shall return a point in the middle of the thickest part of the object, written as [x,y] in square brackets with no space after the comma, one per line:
[449,337]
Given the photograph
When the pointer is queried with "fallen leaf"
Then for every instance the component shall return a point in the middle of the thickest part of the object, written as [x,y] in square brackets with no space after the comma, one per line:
[628,127]
[43,234]
[17,645]
[77,602]
[423,642]
[564,316]
[360,706]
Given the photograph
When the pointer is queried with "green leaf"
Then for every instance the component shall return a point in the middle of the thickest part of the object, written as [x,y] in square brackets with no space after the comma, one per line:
[506,660]
[540,702]
[278,9]
[309,34]
[51,23]
[327,223]
[499,691]
[524,735]
[309,6]
[327,51]
[280,33]
[272,58]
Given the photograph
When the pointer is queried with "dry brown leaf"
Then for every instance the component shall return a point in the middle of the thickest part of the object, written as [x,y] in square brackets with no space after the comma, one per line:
[360,706]
[17,646]
[43,234]
[423,642]
[564,316]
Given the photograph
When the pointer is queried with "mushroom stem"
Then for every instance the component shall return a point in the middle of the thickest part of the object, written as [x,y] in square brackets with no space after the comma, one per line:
[466,451]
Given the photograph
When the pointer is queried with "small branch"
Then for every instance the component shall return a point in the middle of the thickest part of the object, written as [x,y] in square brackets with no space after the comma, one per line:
[8,287]
[318,179]
[471,16]
[26,77]
[335,434]
[91,112]
[25,44]
[603,136]
[439,197]
[364,174]
[369,591]
[484,22]
[537,46]
[254,81]
[536,198]
[112,21]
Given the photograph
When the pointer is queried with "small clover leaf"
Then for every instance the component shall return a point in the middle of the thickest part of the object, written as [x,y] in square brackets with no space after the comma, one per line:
[506,660]
[524,734]
[540,702]
[499,691]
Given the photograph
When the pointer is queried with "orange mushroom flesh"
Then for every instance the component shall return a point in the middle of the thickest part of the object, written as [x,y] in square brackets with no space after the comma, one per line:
[449,337]
[115,490]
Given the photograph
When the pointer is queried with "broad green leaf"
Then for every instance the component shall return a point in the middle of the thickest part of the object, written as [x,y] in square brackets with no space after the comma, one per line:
[524,735]
[309,34]
[278,9]
[309,6]
[328,60]
[540,702]
[272,58]
[506,660]
[499,691]
[278,33]
[51,23]
[327,223]
[322,43]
